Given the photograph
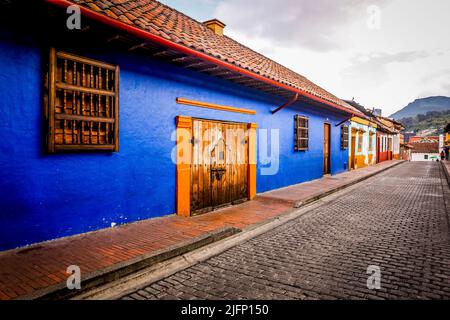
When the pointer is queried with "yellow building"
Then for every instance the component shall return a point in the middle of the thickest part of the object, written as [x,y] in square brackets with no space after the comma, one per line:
[362,146]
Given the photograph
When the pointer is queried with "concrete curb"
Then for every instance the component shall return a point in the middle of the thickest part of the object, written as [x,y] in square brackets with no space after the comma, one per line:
[446,190]
[119,270]
[299,204]
[184,254]
[166,268]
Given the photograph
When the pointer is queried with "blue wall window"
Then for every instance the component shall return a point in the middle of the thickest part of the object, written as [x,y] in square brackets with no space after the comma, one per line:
[301,133]
[344,137]
[83,104]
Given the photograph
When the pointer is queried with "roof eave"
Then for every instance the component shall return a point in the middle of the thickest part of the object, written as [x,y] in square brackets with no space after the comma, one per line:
[189,51]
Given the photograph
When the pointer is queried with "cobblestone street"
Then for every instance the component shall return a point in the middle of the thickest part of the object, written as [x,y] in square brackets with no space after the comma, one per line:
[396,220]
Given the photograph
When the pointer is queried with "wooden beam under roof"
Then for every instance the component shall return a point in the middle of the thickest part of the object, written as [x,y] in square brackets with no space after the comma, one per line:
[196,64]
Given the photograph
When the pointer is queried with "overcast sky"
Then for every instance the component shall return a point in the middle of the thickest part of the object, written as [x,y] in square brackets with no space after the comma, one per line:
[384,53]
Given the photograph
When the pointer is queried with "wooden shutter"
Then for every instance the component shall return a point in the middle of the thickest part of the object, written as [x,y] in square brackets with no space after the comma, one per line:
[344,137]
[83,104]
[301,133]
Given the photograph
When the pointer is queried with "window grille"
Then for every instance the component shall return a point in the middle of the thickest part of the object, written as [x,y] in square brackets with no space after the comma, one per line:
[344,137]
[83,104]
[301,133]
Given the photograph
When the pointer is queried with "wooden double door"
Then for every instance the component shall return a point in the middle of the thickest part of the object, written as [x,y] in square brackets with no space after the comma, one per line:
[219,165]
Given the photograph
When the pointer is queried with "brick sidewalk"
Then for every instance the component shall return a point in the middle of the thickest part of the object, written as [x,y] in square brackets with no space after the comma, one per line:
[26,271]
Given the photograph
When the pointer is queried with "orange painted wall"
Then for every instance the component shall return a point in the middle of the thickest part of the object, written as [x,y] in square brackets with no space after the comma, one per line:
[359,160]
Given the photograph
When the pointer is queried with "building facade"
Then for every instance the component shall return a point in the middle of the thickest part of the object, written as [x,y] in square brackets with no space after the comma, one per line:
[115,123]
[388,139]
[425,151]
[362,147]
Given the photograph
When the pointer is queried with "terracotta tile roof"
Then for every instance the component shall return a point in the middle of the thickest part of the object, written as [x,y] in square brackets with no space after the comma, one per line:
[161,20]
[425,147]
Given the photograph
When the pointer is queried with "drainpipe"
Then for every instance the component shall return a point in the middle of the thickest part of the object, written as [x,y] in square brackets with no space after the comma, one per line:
[343,121]
[293,99]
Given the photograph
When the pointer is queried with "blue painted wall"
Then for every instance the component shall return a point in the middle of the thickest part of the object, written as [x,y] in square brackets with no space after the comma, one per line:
[44,196]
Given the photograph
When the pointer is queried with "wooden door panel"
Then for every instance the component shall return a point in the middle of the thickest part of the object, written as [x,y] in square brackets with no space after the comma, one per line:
[220,150]
[326,148]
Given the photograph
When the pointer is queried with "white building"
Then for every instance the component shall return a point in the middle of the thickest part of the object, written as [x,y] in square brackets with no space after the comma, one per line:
[425,151]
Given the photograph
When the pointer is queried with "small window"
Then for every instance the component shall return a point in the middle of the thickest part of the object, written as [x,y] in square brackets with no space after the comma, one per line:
[344,137]
[83,104]
[301,133]
[370,141]
[425,157]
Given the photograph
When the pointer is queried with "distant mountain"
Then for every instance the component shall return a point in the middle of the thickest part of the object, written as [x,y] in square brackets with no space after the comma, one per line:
[431,123]
[427,116]
[422,106]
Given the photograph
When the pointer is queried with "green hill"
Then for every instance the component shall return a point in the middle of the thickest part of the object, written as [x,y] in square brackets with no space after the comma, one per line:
[433,122]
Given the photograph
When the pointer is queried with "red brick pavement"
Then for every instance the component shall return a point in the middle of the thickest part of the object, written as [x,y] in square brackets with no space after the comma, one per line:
[26,270]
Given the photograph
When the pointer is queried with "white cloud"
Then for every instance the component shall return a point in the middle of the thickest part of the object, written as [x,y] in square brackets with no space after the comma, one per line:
[292,23]
[332,43]
[372,68]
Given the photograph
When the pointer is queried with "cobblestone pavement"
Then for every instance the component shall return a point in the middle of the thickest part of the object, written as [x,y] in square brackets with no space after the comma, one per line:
[396,220]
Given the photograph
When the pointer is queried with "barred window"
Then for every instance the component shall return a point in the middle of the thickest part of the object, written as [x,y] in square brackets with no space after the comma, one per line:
[83,104]
[344,137]
[301,133]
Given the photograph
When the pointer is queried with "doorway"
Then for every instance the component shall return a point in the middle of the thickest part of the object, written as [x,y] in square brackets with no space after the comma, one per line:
[219,169]
[326,148]
[353,150]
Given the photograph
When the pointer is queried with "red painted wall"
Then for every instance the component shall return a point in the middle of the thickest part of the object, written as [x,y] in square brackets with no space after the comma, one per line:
[383,156]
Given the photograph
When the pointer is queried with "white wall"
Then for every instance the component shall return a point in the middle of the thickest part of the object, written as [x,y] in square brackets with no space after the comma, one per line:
[396,144]
[421,156]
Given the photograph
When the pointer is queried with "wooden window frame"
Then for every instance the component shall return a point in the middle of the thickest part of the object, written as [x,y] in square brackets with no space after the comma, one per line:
[301,133]
[344,137]
[101,125]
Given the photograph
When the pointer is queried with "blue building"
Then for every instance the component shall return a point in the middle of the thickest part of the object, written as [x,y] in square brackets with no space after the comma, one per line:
[144,112]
